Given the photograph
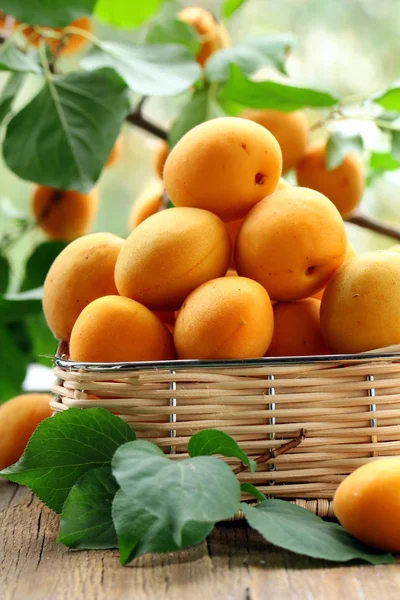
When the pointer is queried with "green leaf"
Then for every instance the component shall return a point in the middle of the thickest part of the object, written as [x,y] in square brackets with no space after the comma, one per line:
[390,98]
[271,94]
[383,161]
[12,59]
[178,494]
[140,531]
[42,340]
[86,521]
[212,441]
[231,6]
[152,70]
[65,447]
[4,274]
[39,263]
[251,489]
[126,14]
[294,528]
[201,107]
[339,145]
[15,307]
[66,148]
[54,13]
[396,144]
[10,90]
[14,361]
[167,29]
[251,55]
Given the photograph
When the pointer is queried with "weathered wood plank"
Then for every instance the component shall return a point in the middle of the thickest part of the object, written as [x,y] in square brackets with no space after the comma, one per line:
[235,563]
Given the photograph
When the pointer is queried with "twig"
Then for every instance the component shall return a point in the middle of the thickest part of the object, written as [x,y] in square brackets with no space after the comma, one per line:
[136,117]
[264,458]
[358,218]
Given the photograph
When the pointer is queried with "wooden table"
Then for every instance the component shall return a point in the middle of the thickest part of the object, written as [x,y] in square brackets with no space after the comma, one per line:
[234,564]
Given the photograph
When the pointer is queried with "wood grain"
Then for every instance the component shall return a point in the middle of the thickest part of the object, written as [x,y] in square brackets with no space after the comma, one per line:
[235,563]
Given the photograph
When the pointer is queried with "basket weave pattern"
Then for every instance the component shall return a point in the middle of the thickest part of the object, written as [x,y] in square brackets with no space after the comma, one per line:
[349,411]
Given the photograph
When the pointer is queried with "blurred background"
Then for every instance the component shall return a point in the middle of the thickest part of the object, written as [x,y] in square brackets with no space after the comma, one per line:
[343,46]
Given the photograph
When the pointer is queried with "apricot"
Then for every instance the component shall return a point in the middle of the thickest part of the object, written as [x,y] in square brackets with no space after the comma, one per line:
[160,155]
[351,253]
[225,165]
[344,185]
[115,153]
[82,272]
[289,128]
[61,214]
[206,26]
[231,273]
[19,418]
[367,504]
[297,329]
[291,243]
[170,254]
[147,203]
[360,309]
[73,41]
[228,317]
[115,329]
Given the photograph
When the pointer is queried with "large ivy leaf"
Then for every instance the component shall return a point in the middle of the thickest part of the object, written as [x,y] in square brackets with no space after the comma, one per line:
[390,98]
[271,94]
[294,528]
[39,262]
[126,14]
[201,107]
[54,13]
[339,145]
[12,59]
[251,55]
[86,520]
[9,93]
[150,70]
[212,441]
[64,448]
[231,6]
[174,494]
[73,123]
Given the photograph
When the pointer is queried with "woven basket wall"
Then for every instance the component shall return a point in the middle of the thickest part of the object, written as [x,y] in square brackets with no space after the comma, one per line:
[348,408]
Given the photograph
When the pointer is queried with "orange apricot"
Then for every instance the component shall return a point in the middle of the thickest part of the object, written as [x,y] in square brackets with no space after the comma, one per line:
[343,185]
[73,41]
[360,308]
[289,128]
[61,214]
[160,155]
[115,153]
[225,165]
[367,504]
[168,317]
[297,329]
[228,317]
[82,272]
[206,26]
[19,418]
[351,253]
[291,242]
[116,329]
[170,254]
[231,273]
[147,203]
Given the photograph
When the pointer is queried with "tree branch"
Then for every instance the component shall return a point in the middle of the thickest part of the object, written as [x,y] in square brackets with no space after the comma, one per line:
[135,117]
[362,220]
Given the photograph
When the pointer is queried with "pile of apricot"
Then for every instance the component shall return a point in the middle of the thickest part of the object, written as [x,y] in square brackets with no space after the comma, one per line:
[164,293]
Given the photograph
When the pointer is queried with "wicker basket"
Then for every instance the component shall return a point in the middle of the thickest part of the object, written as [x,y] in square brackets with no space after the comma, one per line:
[308,421]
